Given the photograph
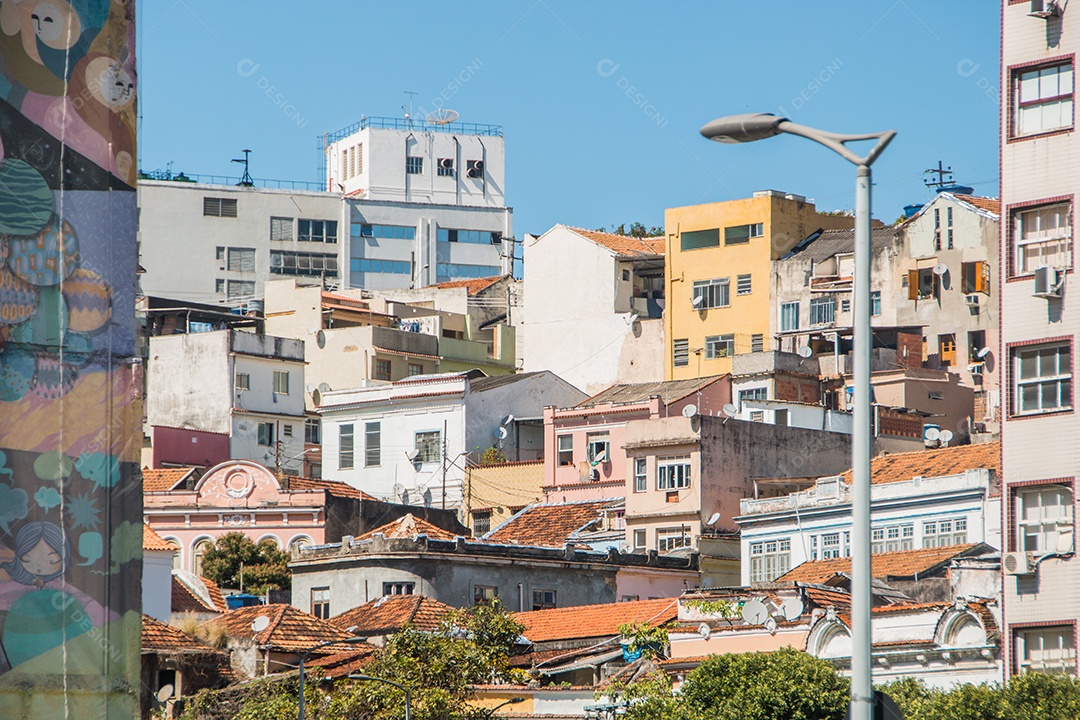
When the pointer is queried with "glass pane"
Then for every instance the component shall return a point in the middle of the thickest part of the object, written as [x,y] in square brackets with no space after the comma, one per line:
[1029,398]
[1028,365]
[1029,86]
[1030,118]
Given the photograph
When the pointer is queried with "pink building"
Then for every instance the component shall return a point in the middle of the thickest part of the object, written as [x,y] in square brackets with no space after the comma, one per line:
[585,458]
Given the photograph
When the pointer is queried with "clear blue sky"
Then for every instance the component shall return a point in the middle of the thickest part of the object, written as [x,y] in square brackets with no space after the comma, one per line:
[600,102]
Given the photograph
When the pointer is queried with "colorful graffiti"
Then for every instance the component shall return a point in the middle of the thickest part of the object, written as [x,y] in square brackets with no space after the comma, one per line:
[70,501]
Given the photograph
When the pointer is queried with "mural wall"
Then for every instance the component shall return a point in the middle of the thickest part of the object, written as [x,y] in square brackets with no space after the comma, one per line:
[70,496]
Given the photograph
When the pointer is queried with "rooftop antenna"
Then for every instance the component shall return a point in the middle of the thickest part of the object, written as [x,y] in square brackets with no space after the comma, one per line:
[246,180]
[442,116]
[408,110]
[941,172]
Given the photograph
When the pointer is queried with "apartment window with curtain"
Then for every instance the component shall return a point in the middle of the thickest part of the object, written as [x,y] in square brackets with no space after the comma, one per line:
[345,446]
[822,310]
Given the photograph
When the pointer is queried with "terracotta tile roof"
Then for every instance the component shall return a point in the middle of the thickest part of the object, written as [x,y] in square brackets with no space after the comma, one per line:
[334,487]
[624,244]
[409,526]
[390,613]
[983,203]
[472,285]
[548,525]
[163,479]
[156,635]
[589,621]
[288,629]
[898,467]
[896,564]
[669,391]
[346,663]
[153,542]
[191,593]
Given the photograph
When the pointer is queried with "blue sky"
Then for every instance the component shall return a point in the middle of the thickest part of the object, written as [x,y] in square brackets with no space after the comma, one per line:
[600,102]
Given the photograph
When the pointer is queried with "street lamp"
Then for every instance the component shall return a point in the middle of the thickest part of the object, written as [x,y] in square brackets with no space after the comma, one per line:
[511,701]
[758,126]
[304,656]
[399,686]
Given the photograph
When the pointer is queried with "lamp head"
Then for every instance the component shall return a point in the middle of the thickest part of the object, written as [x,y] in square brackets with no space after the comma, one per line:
[743,128]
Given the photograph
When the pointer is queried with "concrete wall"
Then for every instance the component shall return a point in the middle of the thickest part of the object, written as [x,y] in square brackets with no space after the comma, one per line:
[189,382]
[157,584]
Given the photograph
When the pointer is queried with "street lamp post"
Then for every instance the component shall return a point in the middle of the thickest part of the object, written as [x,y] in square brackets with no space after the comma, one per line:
[510,701]
[399,686]
[304,656]
[758,126]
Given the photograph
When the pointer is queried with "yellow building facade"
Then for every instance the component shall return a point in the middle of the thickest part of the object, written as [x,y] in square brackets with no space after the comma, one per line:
[718,276]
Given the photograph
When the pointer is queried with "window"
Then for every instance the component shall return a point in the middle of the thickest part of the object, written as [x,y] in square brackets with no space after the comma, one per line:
[941,533]
[718,346]
[769,560]
[822,310]
[219,207]
[780,417]
[428,448]
[312,434]
[451,271]
[382,369]
[305,264]
[680,350]
[219,253]
[696,239]
[543,599]
[241,289]
[711,294]
[481,523]
[598,448]
[949,227]
[742,233]
[626,275]
[892,538]
[743,285]
[414,165]
[446,167]
[281,228]
[265,432]
[668,539]
[761,393]
[1047,650]
[1043,237]
[845,306]
[197,554]
[317,230]
[813,547]
[241,259]
[1044,99]
[286,430]
[320,602]
[415,369]
[976,342]
[374,265]
[219,286]
[384,232]
[875,303]
[641,478]
[975,277]
[1043,378]
[566,450]
[372,444]
[673,473]
[472,237]
[937,228]
[176,560]
[358,155]
[483,594]
[345,447]
[757,343]
[281,382]
[757,416]
[830,546]
[639,540]
[398,588]
[923,284]
[1042,513]
[947,350]
[243,381]
[789,316]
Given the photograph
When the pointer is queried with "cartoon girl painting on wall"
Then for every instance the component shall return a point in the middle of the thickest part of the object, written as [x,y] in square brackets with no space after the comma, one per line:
[52,612]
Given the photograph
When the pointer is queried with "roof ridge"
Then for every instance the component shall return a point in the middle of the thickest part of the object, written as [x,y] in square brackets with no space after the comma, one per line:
[274,622]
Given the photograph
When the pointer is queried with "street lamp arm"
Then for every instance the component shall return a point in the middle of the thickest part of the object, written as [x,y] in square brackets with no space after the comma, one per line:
[837,142]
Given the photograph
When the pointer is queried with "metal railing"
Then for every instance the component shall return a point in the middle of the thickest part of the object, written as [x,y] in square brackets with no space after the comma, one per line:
[182,177]
[387,123]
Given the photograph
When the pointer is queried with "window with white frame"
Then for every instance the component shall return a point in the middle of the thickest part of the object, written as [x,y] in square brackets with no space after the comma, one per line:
[1049,650]
[713,293]
[743,284]
[769,560]
[875,303]
[668,539]
[398,588]
[281,382]
[718,346]
[822,310]
[243,381]
[414,165]
[1042,514]
[830,546]
[813,547]
[639,540]
[598,447]
[312,431]
[892,538]
[942,533]
[484,594]
[265,434]
[566,449]
[345,446]
[789,316]
[320,602]
[673,473]
[428,449]
[1042,237]
[1044,98]
[761,393]
[543,599]
[1042,378]
[373,443]
[641,478]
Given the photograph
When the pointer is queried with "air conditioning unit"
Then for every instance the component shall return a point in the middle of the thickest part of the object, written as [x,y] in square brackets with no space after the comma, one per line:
[474,168]
[1047,282]
[1018,563]
[446,163]
[496,237]
[976,368]
[972,300]
[594,474]
[1044,9]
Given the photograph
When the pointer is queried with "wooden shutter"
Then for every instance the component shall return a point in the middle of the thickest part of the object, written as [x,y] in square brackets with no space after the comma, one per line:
[913,284]
[982,277]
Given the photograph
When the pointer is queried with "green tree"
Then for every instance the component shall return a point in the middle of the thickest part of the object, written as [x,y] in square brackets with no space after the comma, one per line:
[636,229]
[265,567]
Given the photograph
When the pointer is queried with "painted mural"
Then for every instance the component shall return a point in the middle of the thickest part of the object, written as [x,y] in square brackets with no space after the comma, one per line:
[70,496]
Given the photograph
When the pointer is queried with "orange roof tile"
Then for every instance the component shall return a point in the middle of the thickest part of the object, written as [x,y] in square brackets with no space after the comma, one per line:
[625,244]
[588,621]
[207,598]
[896,564]
[346,663]
[983,203]
[409,526]
[151,541]
[548,525]
[391,613]
[156,635]
[288,628]
[472,285]
[163,479]
[334,487]
[898,467]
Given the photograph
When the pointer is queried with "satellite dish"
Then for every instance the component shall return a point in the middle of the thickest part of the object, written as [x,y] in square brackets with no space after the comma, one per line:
[940,269]
[792,608]
[689,411]
[697,300]
[412,454]
[754,612]
[600,457]
[730,410]
[442,116]
[770,625]
[805,351]
[632,319]
[982,352]
[704,630]
[508,419]
[316,397]
[945,436]
[325,387]
[713,519]
[320,339]
[164,693]
[260,623]
[932,433]
[500,433]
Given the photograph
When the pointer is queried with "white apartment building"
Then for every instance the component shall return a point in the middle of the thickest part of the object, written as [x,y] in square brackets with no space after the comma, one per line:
[247,386]
[1040,176]
[919,500]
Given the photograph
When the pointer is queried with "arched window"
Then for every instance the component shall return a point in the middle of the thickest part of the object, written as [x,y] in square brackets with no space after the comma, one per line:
[300,541]
[835,643]
[197,552]
[177,558]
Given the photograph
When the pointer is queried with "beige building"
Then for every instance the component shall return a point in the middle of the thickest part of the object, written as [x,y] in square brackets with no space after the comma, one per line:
[493,493]
[1040,175]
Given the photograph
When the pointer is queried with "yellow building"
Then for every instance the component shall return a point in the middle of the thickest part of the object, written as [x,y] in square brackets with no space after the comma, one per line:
[717,276]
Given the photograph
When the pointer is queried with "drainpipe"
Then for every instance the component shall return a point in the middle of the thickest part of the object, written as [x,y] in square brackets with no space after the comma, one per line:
[521,597]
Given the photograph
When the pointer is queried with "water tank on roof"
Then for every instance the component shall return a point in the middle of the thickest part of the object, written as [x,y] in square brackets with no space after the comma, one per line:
[910,210]
[242,600]
[957,189]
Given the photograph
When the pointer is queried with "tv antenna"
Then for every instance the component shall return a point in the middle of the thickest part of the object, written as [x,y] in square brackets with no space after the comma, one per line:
[442,116]
[408,110]
[941,172]
[246,180]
